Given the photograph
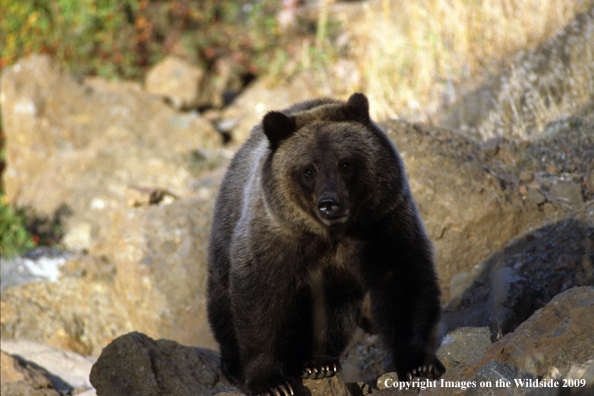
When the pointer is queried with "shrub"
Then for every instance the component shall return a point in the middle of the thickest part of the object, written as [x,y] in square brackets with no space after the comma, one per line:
[14,236]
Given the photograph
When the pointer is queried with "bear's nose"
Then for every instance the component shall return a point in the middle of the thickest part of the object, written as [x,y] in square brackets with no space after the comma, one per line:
[328,206]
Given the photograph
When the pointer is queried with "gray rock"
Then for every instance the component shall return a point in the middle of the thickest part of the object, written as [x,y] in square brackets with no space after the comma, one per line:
[134,364]
[549,344]
[510,300]
[524,276]
[460,344]
[500,379]
[459,283]
[35,265]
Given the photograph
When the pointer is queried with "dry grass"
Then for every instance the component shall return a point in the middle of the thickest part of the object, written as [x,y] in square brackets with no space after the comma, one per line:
[551,83]
[411,54]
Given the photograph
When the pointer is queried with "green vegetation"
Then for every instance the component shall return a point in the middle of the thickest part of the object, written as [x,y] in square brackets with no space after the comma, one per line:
[14,235]
[120,38]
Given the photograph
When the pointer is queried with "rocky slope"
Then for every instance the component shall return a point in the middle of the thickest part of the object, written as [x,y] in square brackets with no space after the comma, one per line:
[131,179]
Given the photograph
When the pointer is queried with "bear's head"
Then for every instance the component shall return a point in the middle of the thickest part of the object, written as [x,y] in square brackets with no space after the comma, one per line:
[329,166]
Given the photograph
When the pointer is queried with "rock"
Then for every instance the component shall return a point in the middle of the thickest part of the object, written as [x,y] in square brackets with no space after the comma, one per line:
[566,262]
[79,237]
[520,278]
[526,177]
[491,147]
[510,300]
[364,358]
[22,388]
[567,193]
[14,370]
[498,375]
[256,99]
[590,181]
[97,138]
[467,214]
[21,378]
[327,386]
[535,197]
[386,380]
[68,372]
[101,140]
[459,283]
[75,314]
[552,339]
[460,344]
[42,263]
[176,80]
[148,274]
[134,364]
[160,255]
[553,168]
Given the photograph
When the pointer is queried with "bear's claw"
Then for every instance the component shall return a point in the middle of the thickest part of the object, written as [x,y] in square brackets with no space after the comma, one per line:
[430,371]
[320,372]
[280,390]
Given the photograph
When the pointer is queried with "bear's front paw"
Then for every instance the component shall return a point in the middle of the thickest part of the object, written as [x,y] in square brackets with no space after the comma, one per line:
[320,370]
[281,389]
[431,371]
[274,385]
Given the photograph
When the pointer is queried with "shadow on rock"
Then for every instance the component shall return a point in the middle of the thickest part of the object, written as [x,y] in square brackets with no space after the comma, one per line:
[524,276]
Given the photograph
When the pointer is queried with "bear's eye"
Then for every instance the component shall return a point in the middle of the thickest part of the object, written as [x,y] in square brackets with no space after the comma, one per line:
[345,165]
[308,172]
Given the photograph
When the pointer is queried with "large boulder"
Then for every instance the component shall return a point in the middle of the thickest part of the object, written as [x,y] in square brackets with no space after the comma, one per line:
[468,213]
[122,174]
[75,314]
[74,150]
[175,80]
[548,345]
[135,364]
[524,276]
[261,96]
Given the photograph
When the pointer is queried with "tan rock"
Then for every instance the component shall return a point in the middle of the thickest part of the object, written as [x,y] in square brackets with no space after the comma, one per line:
[75,314]
[21,378]
[73,369]
[176,80]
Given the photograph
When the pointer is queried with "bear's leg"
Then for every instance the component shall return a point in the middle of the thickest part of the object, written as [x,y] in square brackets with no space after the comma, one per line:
[273,332]
[341,312]
[221,321]
[405,308]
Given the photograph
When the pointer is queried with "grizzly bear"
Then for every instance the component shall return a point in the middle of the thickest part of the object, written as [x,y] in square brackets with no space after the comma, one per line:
[313,214]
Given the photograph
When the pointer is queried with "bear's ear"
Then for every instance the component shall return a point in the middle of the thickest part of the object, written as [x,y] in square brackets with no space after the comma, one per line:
[277,126]
[358,108]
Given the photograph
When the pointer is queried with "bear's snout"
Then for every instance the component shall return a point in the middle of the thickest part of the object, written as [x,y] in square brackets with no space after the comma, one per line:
[329,206]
